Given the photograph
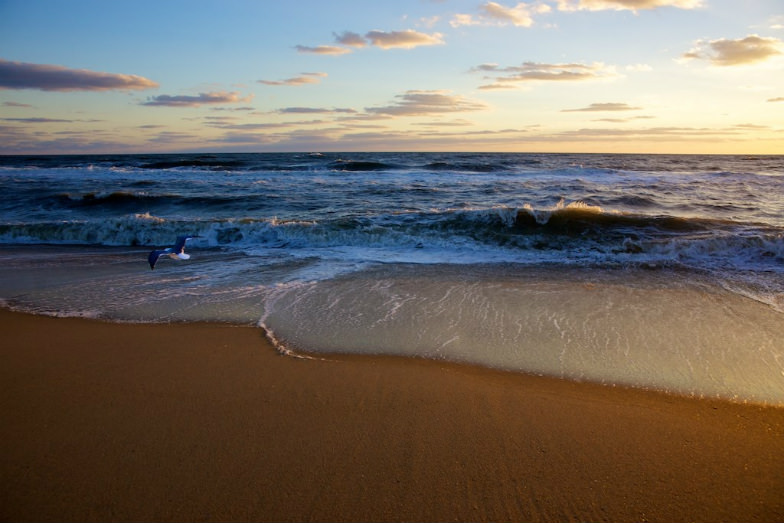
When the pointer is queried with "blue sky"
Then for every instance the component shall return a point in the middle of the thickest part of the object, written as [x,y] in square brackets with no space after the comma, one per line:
[664,76]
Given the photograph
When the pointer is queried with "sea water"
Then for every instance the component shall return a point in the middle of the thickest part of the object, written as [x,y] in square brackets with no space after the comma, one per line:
[655,271]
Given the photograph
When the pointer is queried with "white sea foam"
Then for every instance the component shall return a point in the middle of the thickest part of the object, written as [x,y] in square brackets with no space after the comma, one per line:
[623,329]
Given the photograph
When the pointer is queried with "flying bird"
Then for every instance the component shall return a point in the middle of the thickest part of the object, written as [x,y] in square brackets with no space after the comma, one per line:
[176,252]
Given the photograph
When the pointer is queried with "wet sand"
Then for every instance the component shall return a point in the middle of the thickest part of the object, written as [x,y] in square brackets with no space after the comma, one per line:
[206,422]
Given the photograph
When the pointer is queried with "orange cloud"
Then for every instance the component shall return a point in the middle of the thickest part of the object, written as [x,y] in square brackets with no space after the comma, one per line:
[407,39]
[492,13]
[303,79]
[748,50]
[322,49]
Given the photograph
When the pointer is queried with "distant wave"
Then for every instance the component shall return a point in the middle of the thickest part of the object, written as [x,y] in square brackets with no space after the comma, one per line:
[129,201]
[476,167]
[114,199]
[360,165]
[214,164]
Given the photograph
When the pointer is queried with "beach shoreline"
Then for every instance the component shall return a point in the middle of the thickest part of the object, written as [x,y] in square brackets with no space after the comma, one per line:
[208,422]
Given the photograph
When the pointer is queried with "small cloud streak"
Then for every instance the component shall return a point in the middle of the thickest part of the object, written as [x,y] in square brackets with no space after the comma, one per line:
[778,99]
[648,133]
[20,75]
[492,13]
[303,79]
[748,50]
[623,120]
[213,98]
[17,104]
[322,49]
[314,110]
[531,71]
[407,39]
[425,103]
[600,107]
[628,5]
[36,120]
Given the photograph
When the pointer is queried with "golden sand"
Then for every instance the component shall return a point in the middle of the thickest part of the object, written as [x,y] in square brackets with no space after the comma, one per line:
[204,422]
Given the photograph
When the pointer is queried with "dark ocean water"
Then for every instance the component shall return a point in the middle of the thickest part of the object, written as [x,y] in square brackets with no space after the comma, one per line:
[648,270]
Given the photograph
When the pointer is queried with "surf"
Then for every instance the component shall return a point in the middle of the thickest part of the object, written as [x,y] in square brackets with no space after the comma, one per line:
[621,328]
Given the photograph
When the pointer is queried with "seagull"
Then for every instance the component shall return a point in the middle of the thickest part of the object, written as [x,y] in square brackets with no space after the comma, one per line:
[176,252]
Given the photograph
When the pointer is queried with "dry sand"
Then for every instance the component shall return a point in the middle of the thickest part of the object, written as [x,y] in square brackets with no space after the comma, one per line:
[109,422]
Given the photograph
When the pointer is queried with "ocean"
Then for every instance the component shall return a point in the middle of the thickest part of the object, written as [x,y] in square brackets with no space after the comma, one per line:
[663,272]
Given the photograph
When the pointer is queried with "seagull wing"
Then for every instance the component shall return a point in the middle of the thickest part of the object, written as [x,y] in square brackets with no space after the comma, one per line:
[153,257]
[179,246]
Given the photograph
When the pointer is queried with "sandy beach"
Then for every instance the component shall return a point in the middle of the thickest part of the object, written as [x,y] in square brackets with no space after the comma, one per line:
[207,422]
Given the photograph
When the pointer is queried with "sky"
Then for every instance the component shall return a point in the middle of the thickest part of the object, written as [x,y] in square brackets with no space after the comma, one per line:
[623,76]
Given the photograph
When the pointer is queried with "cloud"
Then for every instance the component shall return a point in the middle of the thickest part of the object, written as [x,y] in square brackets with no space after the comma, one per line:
[748,50]
[322,49]
[750,126]
[221,97]
[28,140]
[453,123]
[243,108]
[421,103]
[479,132]
[303,79]
[313,110]
[651,133]
[629,5]
[175,138]
[407,39]
[779,99]
[36,120]
[249,126]
[19,75]
[350,39]
[429,21]
[492,13]
[776,22]
[531,71]
[624,120]
[16,104]
[597,107]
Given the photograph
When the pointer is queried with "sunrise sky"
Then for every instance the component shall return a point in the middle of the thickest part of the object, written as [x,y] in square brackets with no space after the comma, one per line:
[648,76]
